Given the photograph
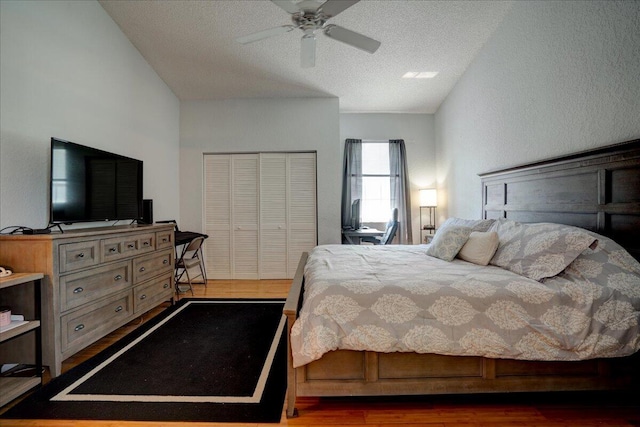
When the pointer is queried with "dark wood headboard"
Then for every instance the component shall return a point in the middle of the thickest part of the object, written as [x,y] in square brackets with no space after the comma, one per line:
[598,190]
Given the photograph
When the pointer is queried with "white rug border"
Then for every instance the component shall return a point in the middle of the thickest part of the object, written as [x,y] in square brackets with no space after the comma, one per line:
[65,395]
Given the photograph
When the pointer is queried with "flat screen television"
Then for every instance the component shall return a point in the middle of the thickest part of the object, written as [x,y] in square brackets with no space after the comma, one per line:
[88,184]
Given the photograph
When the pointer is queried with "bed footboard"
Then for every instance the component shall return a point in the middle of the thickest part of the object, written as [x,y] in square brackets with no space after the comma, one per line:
[291,308]
[359,373]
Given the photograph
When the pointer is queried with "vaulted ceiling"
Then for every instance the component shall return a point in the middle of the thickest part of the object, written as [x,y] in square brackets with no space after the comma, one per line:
[191,45]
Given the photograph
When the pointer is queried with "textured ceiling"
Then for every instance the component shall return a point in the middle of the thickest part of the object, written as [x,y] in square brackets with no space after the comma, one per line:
[191,45]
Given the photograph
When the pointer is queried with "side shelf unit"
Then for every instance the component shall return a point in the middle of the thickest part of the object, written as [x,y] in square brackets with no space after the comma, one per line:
[427,223]
[21,344]
[95,280]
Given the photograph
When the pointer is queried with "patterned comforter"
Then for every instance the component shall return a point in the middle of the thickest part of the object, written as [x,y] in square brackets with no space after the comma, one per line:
[396,298]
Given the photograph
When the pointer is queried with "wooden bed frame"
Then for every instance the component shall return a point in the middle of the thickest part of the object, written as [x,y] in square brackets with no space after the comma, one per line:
[598,190]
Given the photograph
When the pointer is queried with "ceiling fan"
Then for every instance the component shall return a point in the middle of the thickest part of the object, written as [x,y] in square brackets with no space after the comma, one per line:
[311,16]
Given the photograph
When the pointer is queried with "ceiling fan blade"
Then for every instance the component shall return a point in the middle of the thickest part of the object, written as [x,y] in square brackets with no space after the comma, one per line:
[287,5]
[264,34]
[352,38]
[308,51]
[333,7]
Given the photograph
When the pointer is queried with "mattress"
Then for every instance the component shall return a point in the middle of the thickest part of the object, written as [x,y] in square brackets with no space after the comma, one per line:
[396,298]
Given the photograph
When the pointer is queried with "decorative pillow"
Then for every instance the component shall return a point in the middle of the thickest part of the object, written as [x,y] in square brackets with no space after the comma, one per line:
[473,224]
[480,247]
[448,241]
[538,250]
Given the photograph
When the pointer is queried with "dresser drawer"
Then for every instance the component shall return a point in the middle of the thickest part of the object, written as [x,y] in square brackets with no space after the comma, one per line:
[146,242]
[83,326]
[152,265]
[89,285]
[164,239]
[127,246]
[151,293]
[118,247]
[74,256]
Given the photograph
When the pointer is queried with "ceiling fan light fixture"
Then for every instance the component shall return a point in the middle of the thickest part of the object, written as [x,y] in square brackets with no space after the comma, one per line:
[308,50]
[312,15]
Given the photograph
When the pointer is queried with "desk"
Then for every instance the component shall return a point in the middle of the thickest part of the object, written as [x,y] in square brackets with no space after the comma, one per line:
[350,235]
[184,237]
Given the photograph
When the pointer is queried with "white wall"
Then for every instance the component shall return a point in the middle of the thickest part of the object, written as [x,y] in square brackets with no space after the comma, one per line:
[555,78]
[68,71]
[254,125]
[417,130]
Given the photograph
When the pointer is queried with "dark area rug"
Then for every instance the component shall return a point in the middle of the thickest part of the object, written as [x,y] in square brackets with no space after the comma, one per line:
[200,360]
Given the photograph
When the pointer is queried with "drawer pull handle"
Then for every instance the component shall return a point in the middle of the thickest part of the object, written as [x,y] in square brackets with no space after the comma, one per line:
[145,244]
[79,327]
[118,308]
[131,246]
[165,261]
[118,277]
[166,285]
[112,250]
[81,255]
[165,240]
[78,290]
[143,296]
[141,269]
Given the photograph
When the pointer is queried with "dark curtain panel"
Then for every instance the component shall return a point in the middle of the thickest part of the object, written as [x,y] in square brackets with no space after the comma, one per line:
[351,178]
[400,194]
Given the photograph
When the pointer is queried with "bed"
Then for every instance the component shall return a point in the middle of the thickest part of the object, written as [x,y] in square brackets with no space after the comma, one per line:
[597,191]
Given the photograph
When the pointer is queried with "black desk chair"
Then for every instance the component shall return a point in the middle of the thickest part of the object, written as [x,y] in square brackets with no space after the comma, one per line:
[190,258]
[389,232]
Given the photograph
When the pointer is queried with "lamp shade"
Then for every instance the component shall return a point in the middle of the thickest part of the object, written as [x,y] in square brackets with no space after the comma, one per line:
[428,197]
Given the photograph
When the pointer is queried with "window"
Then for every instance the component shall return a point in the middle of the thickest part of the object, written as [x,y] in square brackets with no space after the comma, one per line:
[375,172]
[376,183]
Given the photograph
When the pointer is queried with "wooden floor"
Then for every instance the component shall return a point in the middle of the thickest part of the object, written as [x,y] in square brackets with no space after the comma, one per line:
[577,410]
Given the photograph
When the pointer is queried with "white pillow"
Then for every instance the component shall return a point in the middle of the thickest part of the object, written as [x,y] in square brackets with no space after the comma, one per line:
[480,247]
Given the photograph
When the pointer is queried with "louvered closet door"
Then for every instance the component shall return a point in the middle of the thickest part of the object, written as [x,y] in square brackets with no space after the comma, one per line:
[217,211]
[302,223]
[273,216]
[244,219]
[260,213]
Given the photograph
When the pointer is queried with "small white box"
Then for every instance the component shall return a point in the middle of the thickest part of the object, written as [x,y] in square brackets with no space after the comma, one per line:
[5,316]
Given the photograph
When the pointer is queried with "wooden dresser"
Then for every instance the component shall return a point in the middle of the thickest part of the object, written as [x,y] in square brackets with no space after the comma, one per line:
[96,280]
